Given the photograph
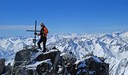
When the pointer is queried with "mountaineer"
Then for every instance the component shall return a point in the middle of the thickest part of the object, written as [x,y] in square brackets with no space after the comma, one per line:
[43,37]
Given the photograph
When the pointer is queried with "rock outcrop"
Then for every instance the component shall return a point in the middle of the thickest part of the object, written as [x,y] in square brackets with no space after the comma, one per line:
[2,66]
[53,62]
[22,58]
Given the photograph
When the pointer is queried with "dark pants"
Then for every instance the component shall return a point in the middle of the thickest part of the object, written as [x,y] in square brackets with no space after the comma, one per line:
[42,39]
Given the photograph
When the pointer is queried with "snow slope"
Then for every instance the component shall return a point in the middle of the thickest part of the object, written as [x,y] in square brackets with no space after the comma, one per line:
[113,47]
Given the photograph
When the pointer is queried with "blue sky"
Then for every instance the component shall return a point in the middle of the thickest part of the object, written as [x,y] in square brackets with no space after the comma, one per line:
[63,16]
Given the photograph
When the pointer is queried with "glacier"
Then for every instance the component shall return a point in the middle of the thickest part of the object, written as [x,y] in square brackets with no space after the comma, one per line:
[112,46]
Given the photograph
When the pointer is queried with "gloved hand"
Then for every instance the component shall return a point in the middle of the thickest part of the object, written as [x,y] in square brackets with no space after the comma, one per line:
[35,33]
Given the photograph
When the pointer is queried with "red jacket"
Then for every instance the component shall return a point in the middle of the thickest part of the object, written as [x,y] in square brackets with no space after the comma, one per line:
[44,32]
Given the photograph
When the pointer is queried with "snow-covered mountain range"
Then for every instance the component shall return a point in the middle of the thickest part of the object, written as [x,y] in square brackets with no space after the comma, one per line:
[113,47]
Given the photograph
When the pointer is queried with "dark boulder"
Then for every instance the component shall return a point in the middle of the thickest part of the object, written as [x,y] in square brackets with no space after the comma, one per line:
[92,65]
[44,68]
[53,55]
[8,69]
[2,66]
[21,58]
[48,55]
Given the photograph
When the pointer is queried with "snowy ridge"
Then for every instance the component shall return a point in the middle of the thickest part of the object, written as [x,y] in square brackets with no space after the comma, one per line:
[113,47]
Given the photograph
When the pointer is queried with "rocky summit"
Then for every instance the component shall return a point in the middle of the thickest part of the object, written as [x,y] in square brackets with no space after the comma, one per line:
[53,62]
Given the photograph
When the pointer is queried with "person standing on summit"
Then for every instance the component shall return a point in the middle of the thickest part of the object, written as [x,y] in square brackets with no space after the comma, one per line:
[43,37]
